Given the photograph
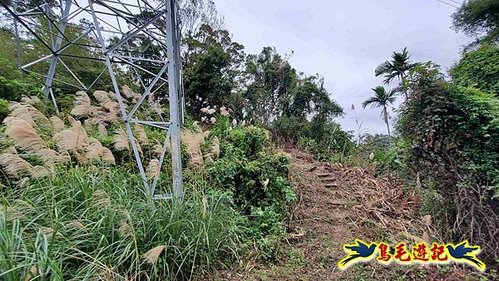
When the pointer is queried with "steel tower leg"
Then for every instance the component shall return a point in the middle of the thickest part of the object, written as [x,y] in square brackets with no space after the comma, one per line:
[16,31]
[55,57]
[174,97]
[142,20]
[119,98]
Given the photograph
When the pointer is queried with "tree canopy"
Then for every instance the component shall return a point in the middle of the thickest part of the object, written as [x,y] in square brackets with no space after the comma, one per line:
[478,18]
[479,68]
[397,67]
[382,98]
[211,63]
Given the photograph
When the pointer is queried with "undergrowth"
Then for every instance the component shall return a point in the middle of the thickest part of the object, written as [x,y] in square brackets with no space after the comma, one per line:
[94,222]
[88,223]
[256,179]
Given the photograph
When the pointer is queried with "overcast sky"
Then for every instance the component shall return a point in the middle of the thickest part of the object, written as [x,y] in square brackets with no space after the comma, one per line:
[345,40]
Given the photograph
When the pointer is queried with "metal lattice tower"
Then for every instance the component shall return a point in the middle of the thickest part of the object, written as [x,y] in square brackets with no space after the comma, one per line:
[154,22]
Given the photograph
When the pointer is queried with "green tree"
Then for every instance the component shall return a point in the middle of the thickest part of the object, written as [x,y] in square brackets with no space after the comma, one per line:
[212,61]
[196,13]
[480,19]
[293,106]
[311,98]
[271,84]
[397,67]
[383,99]
[276,90]
[479,68]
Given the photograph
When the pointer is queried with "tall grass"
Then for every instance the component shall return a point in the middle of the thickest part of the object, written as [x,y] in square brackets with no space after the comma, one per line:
[91,224]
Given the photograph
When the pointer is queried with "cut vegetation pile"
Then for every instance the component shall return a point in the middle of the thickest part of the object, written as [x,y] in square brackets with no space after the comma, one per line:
[382,201]
[337,204]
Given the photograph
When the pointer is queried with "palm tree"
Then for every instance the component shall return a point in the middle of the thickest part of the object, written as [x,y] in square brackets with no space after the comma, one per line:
[397,67]
[382,98]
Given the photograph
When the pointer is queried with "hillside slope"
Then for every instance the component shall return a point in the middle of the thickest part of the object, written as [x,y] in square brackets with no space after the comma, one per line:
[336,205]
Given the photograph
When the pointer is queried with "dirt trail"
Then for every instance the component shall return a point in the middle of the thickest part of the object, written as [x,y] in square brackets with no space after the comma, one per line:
[336,205]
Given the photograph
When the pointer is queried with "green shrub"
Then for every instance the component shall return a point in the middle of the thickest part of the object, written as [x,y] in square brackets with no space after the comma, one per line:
[249,140]
[451,135]
[459,127]
[289,129]
[255,177]
[388,160]
[12,89]
[325,139]
[257,182]
[479,68]
[4,109]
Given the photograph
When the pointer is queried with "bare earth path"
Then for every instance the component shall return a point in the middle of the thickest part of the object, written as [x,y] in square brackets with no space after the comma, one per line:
[336,205]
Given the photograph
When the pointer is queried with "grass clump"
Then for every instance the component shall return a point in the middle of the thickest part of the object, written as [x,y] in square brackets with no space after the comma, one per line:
[92,224]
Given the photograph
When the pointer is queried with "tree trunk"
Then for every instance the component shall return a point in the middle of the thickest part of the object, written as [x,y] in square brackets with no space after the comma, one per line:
[401,79]
[385,113]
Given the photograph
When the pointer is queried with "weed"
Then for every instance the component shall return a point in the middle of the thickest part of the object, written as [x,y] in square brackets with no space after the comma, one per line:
[90,224]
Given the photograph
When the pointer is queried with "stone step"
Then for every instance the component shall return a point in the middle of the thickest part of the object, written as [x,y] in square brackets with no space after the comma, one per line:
[323,175]
[338,203]
[329,179]
[330,185]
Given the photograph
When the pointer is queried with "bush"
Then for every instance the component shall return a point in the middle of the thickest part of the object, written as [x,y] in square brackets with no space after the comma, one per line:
[4,109]
[479,69]
[389,159]
[325,139]
[257,182]
[451,134]
[461,124]
[289,129]
[12,89]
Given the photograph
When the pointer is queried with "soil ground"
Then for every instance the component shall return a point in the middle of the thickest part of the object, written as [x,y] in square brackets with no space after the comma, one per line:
[336,205]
